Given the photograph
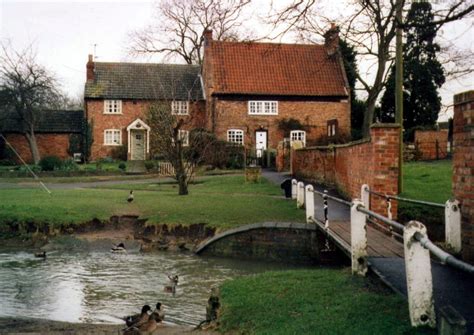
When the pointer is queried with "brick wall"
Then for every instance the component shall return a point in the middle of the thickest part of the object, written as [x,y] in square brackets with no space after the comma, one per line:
[432,144]
[233,114]
[349,166]
[131,110]
[463,167]
[48,145]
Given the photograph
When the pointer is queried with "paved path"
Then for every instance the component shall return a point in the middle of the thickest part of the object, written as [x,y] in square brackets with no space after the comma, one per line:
[450,286]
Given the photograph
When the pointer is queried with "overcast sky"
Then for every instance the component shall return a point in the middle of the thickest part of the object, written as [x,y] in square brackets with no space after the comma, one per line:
[65,32]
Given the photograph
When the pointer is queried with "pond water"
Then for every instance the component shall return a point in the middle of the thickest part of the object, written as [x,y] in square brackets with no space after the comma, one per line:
[99,287]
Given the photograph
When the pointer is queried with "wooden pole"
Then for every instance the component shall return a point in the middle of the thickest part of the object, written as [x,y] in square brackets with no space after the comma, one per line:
[399,88]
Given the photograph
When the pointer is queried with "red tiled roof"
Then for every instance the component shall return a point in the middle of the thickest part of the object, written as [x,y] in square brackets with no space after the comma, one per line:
[275,69]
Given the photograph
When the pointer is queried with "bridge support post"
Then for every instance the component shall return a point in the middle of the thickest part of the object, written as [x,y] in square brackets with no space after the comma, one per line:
[358,240]
[365,195]
[309,196]
[294,183]
[300,195]
[419,278]
[452,216]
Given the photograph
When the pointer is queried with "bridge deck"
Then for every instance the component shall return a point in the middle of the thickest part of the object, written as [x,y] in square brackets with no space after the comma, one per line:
[379,244]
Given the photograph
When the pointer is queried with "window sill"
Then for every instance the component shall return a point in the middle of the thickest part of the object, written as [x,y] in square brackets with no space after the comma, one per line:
[112,145]
[112,113]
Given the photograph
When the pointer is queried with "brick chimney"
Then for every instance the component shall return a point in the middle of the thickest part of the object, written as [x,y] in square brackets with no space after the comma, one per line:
[90,69]
[331,39]
[207,34]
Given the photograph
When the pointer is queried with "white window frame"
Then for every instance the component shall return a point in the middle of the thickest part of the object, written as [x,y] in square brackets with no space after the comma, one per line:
[232,136]
[298,135]
[113,133]
[112,106]
[184,137]
[263,107]
[180,107]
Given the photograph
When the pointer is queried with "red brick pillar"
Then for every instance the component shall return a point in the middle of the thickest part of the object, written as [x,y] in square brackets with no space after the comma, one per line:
[463,168]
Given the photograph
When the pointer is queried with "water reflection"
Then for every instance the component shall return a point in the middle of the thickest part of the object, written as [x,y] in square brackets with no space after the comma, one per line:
[101,286]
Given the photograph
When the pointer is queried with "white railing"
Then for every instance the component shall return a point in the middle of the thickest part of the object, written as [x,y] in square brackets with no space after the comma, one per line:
[417,246]
[166,169]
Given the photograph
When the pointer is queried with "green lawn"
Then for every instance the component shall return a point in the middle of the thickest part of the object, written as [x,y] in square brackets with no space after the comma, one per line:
[220,201]
[430,181]
[320,301]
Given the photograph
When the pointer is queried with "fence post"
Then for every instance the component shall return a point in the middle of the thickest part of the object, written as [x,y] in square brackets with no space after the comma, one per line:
[294,182]
[358,239]
[365,195]
[452,222]
[419,278]
[309,203]
[300,195]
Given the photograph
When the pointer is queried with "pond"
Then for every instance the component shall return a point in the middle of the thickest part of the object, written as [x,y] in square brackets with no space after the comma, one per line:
[100,287]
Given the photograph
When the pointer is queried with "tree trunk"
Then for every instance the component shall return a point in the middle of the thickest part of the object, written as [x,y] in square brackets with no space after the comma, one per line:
[31,138]
[369,114]
[183,185]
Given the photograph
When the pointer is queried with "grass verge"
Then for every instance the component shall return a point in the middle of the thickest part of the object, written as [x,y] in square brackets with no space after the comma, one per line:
[321,301]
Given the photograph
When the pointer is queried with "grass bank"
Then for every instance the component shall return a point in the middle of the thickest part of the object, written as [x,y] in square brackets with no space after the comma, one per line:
[320,301]
[218,201]
[428,181]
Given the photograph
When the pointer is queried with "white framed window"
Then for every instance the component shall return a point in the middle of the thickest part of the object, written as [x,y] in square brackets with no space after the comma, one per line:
[332,127]
[112,106]
[263,107]
[184,137]
[112,137]
[235,136]
[180,107]
[298,135]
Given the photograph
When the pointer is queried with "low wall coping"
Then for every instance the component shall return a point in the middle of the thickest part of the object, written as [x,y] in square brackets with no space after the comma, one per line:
[335,146]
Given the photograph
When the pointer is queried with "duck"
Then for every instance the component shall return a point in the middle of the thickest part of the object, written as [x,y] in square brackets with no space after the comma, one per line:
[40,254]
[119,248]
[159,311]
[138,319]
[148,327]
[130,197]
[171,288]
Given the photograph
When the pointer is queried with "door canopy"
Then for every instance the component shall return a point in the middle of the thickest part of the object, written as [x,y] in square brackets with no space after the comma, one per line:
[138,124]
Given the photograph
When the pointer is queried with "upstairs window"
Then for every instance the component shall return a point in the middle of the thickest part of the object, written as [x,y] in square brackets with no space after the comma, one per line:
[113,107]
[112,137]
[179,107]
[298,135]
[235,136]
[332,128]
[184,137]
[263,107]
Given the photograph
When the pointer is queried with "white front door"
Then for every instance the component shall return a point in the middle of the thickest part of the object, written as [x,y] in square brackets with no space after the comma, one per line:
[260,142]
[138,145]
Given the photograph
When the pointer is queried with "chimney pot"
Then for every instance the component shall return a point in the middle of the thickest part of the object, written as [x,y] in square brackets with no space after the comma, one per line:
[207,36]
[331,39]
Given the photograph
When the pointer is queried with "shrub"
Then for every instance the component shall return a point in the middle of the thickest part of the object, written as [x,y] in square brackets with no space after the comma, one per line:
[122,166]
[33,167]
[120,153]
[7,162]
[149,165]
[50,163]
[69,165]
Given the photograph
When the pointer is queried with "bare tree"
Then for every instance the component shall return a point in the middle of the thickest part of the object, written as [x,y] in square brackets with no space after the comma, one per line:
[370,26]
[179,26]
[26,88]
[184,149]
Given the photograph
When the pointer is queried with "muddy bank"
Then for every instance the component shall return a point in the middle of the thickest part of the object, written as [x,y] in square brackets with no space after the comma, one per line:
[39,326]
[131,229]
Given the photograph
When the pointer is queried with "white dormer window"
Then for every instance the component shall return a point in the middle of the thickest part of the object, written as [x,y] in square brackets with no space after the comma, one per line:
[113,107]
[263,107]
[180,107]
[298,135]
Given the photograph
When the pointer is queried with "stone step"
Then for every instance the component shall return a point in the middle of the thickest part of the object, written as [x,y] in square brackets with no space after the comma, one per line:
[136,167]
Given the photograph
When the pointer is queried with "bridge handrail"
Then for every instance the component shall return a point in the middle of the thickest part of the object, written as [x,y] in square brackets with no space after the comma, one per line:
[444,257]
[339,200]
[380,217]
[420,202]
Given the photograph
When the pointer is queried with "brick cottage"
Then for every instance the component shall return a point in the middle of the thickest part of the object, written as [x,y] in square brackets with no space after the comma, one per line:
[243,93]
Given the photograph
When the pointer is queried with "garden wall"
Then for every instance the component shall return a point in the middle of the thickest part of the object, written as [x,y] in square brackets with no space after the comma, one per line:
[463,168]
[48,145]
[349,166]
[432,144]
